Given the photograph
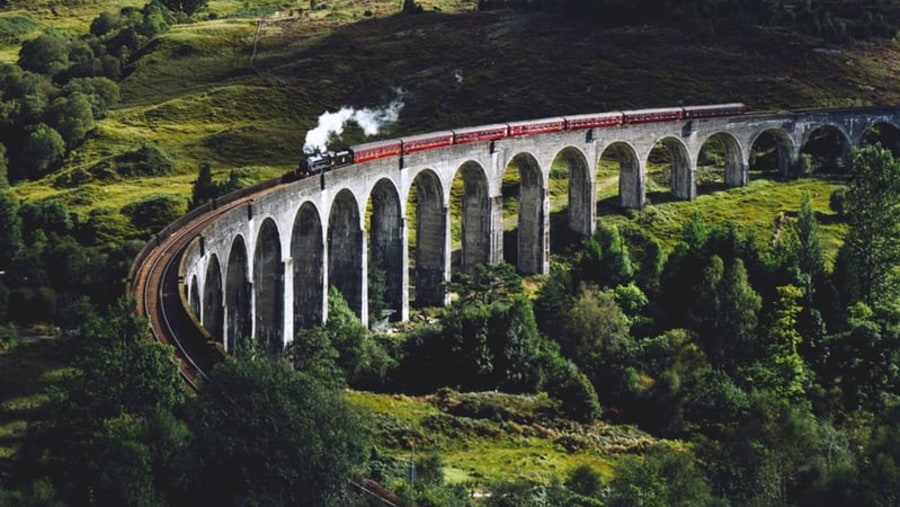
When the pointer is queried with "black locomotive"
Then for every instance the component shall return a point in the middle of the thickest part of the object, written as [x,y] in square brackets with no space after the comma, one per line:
[319,163]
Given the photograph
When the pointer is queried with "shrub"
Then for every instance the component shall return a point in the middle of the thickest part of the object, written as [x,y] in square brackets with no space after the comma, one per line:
[43,150]
[47,54]
[148,160]
[574,390]
[155,212]
[837,200]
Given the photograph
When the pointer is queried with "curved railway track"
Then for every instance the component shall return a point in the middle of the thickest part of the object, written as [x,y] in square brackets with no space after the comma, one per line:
[155,285]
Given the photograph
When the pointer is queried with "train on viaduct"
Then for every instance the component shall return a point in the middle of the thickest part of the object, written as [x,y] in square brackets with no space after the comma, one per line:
[258,263]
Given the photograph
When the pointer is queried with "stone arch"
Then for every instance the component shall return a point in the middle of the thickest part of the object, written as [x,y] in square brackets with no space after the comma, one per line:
[268,287]
[308,254]
[580,190]
[681,174]
[194,297]
[213,316]
[475,216]
[631,176]
[430,250]
[735,174]
[385,252]
[237,296]
[531,232]
[345,249]
[776,148]
[884,132]
[829,146]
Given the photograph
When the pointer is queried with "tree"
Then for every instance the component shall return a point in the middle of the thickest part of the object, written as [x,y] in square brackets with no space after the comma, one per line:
[101,92]
[10,229]
[204,188]
[808,248]
[662,478]
[188,7]
[604,260]
[4,168]
[72,117]
[155,212]
[584,480]
[46,54]
[363,361]
[269,435]
[723,312]
[872,208]
[489,283]
[782,370]
[43,150]
[104,23]
[94,443]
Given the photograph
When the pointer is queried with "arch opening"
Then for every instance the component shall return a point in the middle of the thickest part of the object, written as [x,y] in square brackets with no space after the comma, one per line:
[620,159]
[719,164]
[770,155]
[268,286]
[887,134]
[237,297]
[825,151]
[213,315]
[470,205]
[571,198]
[194,297]
[307,254]
[345,250]
[385,253]
[669,174]
[427,240]
[523,204]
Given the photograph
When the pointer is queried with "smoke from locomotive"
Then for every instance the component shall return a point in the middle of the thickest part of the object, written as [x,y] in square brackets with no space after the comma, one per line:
[332,123]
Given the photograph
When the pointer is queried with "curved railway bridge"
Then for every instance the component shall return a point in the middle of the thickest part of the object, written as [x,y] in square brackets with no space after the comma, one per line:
[258,263]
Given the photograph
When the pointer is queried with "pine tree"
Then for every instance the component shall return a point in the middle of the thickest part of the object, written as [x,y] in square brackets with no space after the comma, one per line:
[873,216]
[204,188]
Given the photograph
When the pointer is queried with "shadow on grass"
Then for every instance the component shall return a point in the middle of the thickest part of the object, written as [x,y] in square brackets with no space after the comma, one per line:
[23,380]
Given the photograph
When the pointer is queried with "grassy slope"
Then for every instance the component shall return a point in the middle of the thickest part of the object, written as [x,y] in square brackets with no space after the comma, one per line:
[199,98]
[26,370]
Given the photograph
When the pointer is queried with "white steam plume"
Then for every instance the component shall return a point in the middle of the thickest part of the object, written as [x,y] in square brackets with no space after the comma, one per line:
[370,120]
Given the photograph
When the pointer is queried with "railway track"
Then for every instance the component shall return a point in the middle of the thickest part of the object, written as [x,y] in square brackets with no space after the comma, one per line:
[154,284]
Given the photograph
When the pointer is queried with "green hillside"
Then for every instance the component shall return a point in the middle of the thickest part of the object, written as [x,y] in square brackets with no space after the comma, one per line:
[240,84]
[241,91]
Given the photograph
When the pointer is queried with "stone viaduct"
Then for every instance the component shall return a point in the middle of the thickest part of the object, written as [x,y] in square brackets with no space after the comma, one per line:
[263,270]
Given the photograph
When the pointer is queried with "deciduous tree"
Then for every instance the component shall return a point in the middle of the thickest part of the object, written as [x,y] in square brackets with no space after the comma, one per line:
[186,6]
[269,435]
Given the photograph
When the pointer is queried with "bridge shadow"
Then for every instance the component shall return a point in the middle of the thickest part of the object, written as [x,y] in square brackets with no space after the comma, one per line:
[661,197]
[711,188]
[563,240]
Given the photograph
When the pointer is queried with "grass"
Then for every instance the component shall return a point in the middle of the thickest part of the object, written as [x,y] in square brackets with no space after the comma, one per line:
[508,441]
[756,209]
[27,367]
[198,97]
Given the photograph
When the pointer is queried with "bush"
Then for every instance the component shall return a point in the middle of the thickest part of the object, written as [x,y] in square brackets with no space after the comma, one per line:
[47,54]
[148,160]
[155,212]
[43,150]
[574,390]
[837,200]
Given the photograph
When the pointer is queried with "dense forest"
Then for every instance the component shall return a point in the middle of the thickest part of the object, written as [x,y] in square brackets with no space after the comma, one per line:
[762,373]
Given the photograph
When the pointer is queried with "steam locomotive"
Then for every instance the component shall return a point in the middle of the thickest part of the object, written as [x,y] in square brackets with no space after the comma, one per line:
[323,162]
